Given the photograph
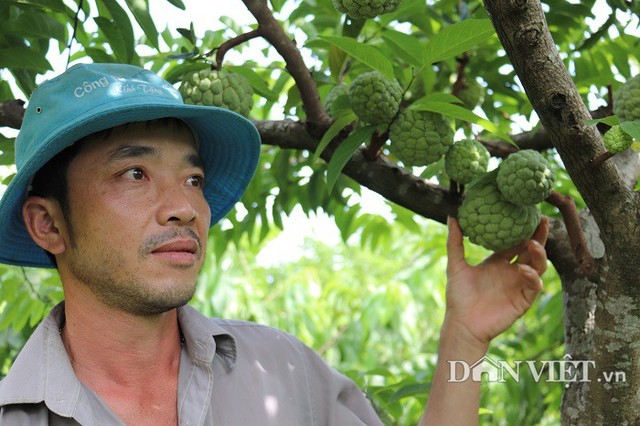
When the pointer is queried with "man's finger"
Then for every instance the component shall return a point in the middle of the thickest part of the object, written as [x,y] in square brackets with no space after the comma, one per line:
[531,283]
[542,231]
[455,247]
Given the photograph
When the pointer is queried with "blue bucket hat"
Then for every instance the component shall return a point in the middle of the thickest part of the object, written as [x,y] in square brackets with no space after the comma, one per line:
[88,98]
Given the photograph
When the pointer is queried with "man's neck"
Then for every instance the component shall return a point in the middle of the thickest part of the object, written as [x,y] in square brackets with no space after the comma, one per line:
[126,359]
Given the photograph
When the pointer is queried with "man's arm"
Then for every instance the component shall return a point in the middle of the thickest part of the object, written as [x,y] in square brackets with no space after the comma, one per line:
[482,302]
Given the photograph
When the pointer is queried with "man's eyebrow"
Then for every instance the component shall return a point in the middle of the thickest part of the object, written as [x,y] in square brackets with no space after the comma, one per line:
[194,160]
[132,151]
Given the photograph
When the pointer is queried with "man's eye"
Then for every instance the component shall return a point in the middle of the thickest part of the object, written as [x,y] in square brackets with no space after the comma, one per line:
[196,181]
[135,173]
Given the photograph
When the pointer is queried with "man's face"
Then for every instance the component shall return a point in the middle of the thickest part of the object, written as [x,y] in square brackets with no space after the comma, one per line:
[139,220]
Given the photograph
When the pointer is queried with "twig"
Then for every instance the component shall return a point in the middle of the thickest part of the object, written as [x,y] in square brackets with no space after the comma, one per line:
[332,341]
[567,207]
[230,44]
[460,83]
[596,161]
[73,34]
[317,117]
[44,299]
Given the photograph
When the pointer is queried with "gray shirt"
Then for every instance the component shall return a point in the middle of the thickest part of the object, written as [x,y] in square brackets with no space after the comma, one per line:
[231,373]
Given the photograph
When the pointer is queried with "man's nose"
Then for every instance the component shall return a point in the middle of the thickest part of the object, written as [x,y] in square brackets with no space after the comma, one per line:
[177,205]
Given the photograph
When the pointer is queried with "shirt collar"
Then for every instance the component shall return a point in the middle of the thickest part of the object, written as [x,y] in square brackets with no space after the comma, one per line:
[42,371]
[198,330]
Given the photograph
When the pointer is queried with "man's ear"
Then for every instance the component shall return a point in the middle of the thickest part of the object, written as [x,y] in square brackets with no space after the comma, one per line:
[39,216]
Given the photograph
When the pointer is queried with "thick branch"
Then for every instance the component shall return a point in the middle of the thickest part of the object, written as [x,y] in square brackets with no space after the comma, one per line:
[274,34]
[382,175]
[11,113]
[523,31]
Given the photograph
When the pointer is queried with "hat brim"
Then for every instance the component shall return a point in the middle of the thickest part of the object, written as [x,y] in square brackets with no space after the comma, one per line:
[229,147]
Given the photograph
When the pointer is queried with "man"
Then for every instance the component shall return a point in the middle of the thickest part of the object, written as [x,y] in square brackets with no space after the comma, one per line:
[117,185]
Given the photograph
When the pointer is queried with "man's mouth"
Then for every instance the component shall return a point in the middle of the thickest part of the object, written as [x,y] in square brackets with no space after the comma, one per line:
[178,251]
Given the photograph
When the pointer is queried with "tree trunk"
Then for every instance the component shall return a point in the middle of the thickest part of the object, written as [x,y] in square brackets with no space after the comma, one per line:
[602,316]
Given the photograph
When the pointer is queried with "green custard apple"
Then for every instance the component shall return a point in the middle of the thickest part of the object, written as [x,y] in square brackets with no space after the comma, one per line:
[466,160]
[617,140]
[374,98]
[215,88]
[472,94]
[626,101]
[334,93]
[419,138]
[490,220]
[359,9]
[525,177]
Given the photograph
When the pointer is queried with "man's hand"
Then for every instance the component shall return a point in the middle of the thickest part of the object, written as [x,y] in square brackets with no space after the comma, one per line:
[485,300]
[482,302]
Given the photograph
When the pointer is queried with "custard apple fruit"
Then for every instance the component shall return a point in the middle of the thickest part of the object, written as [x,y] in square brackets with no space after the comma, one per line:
[525,177]
[419,138]
[374,98]
[334,93]
[359,9]
[466,160]
[490,220]
[617,140]
[626,102]
[472,94]
[215,88]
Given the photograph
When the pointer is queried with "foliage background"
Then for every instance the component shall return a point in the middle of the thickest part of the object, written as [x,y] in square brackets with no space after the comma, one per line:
[373,303]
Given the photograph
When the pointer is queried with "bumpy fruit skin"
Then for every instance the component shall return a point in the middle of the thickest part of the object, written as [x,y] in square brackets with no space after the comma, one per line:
[214,88]
[491,221]
[472,94]
[525,177]
[617,140]
[466,160]
[359,9]
[419,138]
[626,102]
[374,98]
[334,93]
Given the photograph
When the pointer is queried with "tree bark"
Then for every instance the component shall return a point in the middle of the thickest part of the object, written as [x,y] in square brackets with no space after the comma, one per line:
[602,318]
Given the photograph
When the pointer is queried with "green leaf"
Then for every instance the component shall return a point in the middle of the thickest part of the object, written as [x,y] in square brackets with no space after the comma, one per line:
[632,128]
[332,132]
[140,11]
[7,146]
[124,29]
[406,43]
[188,34]
[456,39]
[176,72]
[23,57]
[369,55]
[177,3]
[257,82]
[461,113]
[99,55]
[336,61]
[344,153]
[37,25]
[611,120]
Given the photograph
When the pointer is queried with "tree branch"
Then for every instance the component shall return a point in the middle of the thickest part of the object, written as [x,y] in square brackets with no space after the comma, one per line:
[230,44]
[275,35]
[11,113]
[380,175]
[567,207]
